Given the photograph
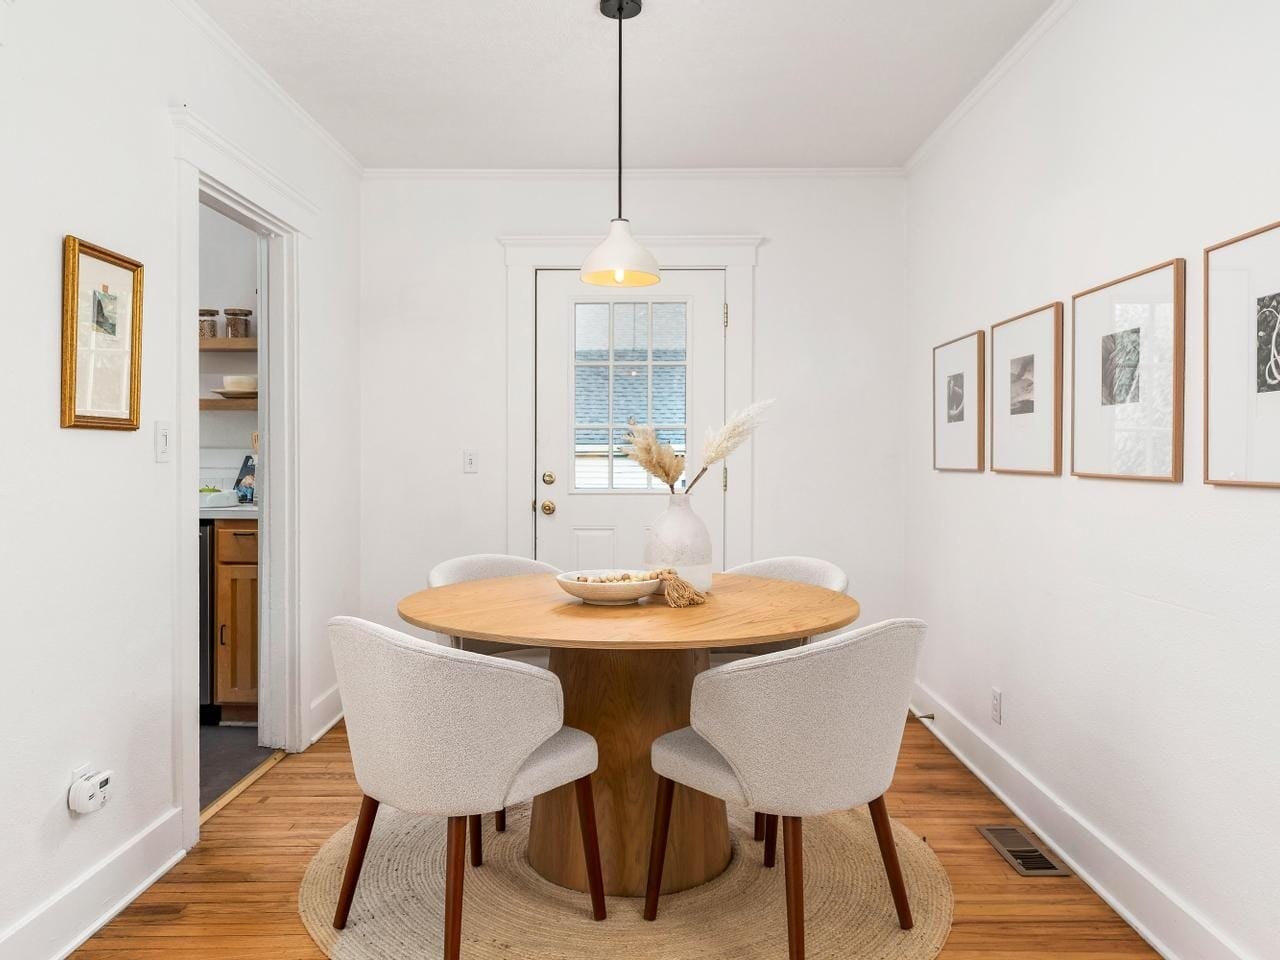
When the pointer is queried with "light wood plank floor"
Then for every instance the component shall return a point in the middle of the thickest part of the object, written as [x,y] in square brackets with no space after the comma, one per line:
[234,897]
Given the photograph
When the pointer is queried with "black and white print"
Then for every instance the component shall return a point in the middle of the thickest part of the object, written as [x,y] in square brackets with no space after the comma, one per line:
[1269,344]
[955,398]
[1022,385]
[1121,354]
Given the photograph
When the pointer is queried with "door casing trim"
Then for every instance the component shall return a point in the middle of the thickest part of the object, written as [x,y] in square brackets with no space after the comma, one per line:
[525,256]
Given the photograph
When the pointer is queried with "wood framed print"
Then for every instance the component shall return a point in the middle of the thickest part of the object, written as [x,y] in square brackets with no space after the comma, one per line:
[1242,360]
[959,403]
[1127,371]
[1026,393]
[101,337]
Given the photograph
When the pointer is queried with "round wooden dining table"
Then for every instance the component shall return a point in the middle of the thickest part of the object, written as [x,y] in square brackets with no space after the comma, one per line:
[627,674]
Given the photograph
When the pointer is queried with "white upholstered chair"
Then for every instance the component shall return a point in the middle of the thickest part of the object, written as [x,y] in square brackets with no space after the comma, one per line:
[448,733]
[485,566]
[810,570]
[795,734]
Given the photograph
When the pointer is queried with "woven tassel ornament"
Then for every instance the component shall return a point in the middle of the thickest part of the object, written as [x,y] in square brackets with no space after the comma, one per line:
[680,593]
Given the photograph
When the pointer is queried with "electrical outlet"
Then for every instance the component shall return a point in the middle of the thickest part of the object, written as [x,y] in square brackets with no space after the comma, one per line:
[997,705]
[469,462]
[81,771]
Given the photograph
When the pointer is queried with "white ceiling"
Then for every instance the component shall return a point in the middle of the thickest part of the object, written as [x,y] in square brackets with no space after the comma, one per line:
[710,83]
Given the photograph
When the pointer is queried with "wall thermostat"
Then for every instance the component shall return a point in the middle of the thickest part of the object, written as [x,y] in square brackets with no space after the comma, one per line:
[89,793]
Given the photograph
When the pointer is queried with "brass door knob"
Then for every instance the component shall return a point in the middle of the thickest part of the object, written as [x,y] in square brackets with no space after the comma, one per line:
[548,507]
[548,478]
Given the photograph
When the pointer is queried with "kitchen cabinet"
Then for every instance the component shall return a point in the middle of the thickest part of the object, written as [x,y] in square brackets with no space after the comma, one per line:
[235,606]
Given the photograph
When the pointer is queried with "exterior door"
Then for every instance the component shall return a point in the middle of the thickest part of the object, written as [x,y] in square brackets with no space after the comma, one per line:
[606,357]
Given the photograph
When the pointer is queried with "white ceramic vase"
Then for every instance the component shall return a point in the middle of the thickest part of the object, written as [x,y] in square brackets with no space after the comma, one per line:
[679,539]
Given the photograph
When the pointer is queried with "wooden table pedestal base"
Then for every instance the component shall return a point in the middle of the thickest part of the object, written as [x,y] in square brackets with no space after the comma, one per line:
[626,699]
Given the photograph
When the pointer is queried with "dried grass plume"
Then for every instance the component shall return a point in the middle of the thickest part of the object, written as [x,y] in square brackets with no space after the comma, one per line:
[658,459]
[720,443]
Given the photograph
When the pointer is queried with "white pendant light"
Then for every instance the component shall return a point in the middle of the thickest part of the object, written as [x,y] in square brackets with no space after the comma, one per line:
[620,261]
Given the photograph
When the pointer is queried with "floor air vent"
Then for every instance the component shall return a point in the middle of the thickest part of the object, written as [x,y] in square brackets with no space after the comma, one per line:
[1023,852]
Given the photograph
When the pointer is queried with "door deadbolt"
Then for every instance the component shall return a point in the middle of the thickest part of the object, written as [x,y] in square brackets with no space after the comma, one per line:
[548,507]
[548,478]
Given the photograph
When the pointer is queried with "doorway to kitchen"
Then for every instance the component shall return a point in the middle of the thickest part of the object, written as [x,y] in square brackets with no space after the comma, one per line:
[243,227]
[234,267]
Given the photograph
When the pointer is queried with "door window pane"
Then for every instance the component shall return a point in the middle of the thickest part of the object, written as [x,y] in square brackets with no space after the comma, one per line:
[630,331]
[591,459]
[591,394]
[630,393]
[591,331]
[669,335]
[627,474]
[668,394]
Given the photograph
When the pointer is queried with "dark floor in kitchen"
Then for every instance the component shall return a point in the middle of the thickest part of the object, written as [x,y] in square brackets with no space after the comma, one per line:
[226,755]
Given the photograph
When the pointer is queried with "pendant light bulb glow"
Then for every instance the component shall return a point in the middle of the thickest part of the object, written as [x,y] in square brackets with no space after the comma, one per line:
[620,260]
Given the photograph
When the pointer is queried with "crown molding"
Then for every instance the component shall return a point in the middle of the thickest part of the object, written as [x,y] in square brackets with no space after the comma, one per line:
[223,40]
[653,173]
[1006,63]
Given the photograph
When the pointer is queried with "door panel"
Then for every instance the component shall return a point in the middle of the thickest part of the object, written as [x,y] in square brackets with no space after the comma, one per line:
[236,603]
[605,357]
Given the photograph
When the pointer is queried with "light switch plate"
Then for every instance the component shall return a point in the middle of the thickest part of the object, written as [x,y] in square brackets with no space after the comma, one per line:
[469,462]
[164,441]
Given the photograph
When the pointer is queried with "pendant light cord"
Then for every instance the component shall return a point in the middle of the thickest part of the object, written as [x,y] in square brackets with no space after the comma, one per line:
[619,113]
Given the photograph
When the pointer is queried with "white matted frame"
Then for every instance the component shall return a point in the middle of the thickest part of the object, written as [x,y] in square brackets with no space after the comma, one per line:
[1026,429]
[1242,360]
[217,173]
[1129,426]
[525,256]
[959,419]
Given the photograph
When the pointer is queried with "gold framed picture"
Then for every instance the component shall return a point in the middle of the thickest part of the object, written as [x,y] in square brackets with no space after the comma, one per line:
[101,337]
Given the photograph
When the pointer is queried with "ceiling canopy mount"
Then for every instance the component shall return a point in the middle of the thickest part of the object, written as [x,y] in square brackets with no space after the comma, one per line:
[620,9]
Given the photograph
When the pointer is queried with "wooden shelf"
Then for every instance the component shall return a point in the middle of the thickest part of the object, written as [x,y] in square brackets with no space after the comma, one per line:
[228,344]
[219,403]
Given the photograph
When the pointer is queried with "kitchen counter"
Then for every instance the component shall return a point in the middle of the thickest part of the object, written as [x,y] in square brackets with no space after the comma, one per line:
[243,511]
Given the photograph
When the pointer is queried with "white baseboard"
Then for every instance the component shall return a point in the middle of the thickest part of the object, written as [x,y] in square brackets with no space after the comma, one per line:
[68,918]
[1174,929]
[326,711]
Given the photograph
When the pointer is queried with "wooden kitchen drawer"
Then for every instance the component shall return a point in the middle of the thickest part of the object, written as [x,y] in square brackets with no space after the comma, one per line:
[236,541]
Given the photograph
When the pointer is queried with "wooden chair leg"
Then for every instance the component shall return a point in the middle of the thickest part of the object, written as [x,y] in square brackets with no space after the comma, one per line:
[892,869]
[355,860]
[793,855]
[658,851]
[455,850]
[474,840]
[770,840]
[500,820]
[590,845]
[759,834]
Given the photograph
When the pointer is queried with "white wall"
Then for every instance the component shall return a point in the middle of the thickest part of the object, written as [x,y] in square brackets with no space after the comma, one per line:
[90,526]
[1131,626]
[433,362]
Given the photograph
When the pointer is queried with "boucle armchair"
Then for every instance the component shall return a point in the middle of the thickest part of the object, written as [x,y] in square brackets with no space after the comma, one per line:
[798,733]
[810,570]
[486,566]
[449,733]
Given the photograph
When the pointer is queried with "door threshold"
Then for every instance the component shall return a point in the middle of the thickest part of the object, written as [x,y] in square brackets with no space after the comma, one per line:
[243,784]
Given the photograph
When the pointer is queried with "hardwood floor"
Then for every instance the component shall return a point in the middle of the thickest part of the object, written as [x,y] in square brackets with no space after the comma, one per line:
[235,895]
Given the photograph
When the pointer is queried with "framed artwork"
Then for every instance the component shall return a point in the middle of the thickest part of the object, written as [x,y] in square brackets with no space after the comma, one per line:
[1127,370]
[959,402]
[1026,392]
[101,337]
[1242,360]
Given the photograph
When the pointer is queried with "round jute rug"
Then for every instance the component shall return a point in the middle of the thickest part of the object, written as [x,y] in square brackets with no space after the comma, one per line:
[511,912]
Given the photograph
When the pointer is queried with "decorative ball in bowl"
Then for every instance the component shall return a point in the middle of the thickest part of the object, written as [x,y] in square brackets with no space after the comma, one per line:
[609,588]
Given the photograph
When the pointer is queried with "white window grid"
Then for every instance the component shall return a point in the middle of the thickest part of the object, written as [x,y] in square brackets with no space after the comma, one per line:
[611,428]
